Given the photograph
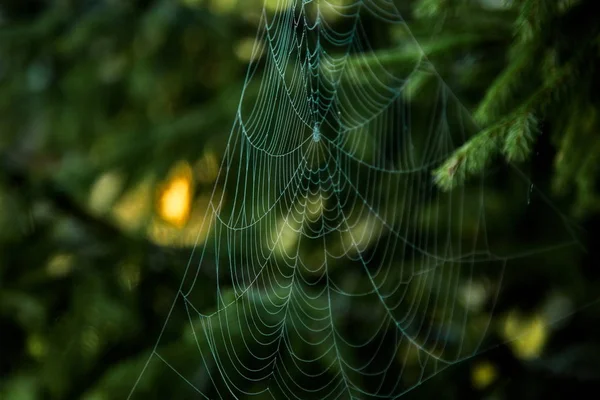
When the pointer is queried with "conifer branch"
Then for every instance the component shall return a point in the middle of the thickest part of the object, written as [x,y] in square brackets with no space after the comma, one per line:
[520,137]
[498,95]
[533,15]
[470,159]
[513,135]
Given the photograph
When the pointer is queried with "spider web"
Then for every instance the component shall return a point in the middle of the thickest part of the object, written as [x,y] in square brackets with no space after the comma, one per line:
[342,272]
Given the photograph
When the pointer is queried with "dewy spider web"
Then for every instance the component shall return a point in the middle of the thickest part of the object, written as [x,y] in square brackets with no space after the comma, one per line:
[341,271]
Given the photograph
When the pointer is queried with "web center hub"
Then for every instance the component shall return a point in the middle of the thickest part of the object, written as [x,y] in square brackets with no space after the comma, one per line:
[316,135]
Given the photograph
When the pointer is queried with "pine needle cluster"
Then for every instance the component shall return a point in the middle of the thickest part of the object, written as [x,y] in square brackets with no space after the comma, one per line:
[550,77]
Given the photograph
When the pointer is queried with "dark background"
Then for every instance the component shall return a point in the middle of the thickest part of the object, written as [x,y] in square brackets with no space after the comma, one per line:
[104,104]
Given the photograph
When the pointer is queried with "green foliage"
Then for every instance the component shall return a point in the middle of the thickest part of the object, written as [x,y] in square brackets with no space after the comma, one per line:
[515,135]
[469,159]
[88,88]
[520,137]
[132,87]
[552,62]
[434,8]
[534,16]
[576,163]
[500,94]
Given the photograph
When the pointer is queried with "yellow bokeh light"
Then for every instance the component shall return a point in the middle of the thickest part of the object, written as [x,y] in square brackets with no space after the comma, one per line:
[362,234]
[332,10]
[483,374]
[285,236]
[249,49]
[175,196]
[193,233]
[36,346]
[105,192]
[527,336]
[223,6]
[132,209]
[60,265]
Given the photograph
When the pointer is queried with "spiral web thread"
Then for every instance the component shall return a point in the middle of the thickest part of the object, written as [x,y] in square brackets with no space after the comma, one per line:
[340,270]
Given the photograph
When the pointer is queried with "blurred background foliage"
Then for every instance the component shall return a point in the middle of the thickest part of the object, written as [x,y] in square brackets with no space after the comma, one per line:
[114,116]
